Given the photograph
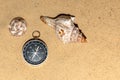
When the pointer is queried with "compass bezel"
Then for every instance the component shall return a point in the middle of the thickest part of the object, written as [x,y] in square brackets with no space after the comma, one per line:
[31,41]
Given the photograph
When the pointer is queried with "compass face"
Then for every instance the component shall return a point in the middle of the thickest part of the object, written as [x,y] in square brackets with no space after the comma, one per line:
[35,51]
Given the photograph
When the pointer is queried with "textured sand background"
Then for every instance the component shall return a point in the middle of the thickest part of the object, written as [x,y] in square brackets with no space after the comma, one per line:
[99,59]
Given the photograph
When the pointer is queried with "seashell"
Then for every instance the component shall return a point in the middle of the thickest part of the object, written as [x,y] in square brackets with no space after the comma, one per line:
[17,26]
[65,27]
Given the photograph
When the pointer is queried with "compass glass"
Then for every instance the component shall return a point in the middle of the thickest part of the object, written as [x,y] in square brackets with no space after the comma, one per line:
[35,51]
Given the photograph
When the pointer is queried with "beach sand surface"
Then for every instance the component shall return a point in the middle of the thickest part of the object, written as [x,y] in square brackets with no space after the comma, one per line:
[98,59]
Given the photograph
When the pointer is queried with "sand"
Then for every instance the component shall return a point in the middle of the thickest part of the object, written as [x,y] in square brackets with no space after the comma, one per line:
[99,59]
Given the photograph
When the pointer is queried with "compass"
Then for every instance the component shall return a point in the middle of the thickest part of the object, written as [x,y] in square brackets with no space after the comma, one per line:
[35,50]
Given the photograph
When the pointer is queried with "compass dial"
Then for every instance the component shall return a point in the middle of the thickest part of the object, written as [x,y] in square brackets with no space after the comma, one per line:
[35,51]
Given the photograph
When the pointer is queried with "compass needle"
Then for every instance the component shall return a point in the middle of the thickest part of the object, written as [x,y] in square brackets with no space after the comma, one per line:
[37,49]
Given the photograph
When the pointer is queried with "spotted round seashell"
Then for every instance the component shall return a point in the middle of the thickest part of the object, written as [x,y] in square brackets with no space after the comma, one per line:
[17,26]
[65,27]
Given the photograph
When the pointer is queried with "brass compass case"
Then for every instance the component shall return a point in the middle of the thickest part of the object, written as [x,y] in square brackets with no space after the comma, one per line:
[35,50]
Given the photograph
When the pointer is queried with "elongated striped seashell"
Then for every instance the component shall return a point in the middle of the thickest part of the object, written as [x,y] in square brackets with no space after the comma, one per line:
[65,27]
